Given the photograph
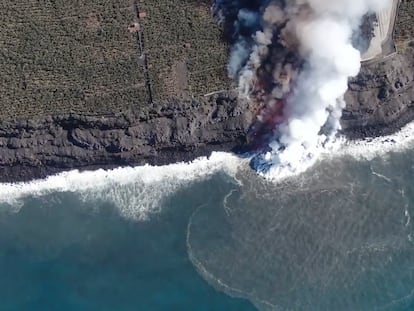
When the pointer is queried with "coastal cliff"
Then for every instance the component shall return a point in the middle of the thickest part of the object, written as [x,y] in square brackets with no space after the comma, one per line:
[380,100]
[161,134]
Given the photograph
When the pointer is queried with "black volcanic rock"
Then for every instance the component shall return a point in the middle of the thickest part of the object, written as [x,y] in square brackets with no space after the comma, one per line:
[380,100]
[162,134]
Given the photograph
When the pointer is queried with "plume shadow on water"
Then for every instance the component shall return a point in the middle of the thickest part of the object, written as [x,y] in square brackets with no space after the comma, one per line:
[339,237]
[58,252]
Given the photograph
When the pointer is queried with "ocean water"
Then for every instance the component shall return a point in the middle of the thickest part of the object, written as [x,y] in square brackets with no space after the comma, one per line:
[64,252]
[214,235]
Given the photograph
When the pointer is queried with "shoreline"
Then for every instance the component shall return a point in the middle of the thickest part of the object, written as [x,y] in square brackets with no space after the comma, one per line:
[62,153]
[153,184]
[165,133]
[18,174]
[207,164]
[380,130]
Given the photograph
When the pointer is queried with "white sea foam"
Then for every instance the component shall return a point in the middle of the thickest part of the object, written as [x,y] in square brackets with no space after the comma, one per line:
[367,149]
[136,191]
[139,191]
[362,149]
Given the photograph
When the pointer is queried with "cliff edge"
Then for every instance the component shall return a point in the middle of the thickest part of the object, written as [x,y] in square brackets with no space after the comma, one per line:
[162,134]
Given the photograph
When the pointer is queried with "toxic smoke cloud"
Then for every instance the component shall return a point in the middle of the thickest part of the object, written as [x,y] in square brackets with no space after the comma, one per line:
[294,59]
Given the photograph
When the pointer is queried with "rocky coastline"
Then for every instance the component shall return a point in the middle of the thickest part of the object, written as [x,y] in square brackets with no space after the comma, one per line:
[161,134]
[379,102]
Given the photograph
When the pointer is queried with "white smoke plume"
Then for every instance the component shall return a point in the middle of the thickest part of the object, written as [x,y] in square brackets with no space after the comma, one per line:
[300,57]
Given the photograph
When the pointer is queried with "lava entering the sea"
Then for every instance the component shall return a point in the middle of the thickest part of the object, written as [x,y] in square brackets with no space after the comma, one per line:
[293,58]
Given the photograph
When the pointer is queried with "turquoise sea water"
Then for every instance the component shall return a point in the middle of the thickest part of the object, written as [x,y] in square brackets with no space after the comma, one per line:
[214,236]
[59,253]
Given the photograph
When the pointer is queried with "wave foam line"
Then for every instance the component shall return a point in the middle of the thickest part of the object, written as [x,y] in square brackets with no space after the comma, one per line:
[136,191]
[370,148]
[362,149]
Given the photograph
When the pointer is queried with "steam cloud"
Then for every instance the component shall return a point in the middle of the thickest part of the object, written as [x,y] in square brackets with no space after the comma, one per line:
[294,58]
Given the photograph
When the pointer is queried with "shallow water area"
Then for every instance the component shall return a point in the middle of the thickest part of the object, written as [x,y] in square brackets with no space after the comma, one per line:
[337,237]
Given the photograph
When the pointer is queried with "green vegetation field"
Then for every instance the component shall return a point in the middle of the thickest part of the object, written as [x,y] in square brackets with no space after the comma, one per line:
[60,56]
[185,55]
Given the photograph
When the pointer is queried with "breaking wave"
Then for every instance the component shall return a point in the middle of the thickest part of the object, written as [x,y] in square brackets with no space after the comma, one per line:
[363,149]
[139,191]
[135,191]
